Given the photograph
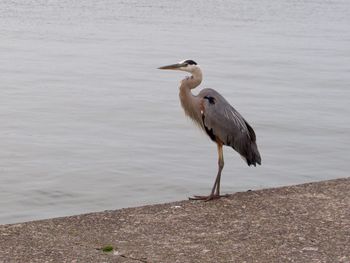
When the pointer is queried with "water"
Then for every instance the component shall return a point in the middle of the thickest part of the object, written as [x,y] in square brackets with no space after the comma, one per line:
[88,123]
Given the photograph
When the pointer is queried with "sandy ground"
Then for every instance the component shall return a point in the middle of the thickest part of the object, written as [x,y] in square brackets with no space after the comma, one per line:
[303,223]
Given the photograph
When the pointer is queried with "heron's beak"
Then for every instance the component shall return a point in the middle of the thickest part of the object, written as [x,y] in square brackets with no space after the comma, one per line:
[174,66]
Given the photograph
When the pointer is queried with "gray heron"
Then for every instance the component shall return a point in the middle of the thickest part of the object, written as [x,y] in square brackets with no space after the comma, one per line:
[221,122]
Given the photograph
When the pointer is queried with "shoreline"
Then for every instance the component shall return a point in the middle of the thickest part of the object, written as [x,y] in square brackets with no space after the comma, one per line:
[302,223]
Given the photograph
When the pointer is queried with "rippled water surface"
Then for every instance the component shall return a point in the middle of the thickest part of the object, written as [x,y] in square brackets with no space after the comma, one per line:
[87,123]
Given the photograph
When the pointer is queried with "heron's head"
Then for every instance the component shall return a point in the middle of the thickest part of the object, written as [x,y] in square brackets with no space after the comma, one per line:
[186,65]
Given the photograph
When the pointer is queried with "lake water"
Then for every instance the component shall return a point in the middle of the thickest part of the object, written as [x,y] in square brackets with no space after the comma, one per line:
[87,122]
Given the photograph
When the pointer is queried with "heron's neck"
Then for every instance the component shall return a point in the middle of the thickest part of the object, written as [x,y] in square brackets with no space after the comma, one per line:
[193,81]
[189,102]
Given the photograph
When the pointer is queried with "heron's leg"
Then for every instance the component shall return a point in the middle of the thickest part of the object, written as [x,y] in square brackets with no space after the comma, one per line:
[206,197]
[215,192]
[221,166]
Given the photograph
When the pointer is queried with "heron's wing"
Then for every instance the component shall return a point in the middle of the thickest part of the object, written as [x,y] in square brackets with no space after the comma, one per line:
[223,122]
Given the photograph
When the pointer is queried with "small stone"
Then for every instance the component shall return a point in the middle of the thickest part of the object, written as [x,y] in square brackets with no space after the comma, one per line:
[310,249]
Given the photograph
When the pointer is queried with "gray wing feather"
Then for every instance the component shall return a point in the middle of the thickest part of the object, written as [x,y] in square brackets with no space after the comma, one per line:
[228,125]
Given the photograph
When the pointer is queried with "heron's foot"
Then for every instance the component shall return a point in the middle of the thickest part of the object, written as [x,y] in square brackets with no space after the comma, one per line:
[207,197]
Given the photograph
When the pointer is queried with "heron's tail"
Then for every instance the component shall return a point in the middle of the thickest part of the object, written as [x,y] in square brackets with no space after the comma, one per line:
[253,157]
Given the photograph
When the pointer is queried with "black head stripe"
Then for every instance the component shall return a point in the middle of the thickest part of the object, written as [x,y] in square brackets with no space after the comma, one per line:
[210,99]
[190,62]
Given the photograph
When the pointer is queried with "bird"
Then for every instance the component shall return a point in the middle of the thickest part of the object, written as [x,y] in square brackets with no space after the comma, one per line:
[218,119]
